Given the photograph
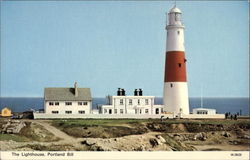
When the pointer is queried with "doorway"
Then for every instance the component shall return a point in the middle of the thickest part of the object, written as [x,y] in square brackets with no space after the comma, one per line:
[157,111]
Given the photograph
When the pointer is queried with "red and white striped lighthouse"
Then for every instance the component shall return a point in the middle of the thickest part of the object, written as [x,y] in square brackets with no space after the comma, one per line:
[175,96]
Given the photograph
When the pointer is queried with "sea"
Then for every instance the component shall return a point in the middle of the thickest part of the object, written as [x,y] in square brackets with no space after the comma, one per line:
[222,105]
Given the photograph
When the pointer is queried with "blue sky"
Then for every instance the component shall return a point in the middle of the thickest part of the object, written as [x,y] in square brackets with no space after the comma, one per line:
[106,45]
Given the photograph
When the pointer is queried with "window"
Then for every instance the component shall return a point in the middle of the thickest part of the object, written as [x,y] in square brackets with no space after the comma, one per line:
[81,112]
[105,110]
[68,103]
[140,111]
[139,102]
[55,112]
[179,64]
[130,102]
[79,103]
[68,112]
[85,103]
[121,101]
[146,101]
[146,110]
[115,111]
[177,16]
[121,111]
[171,85]
[51,103]
[56,103]
[178,32]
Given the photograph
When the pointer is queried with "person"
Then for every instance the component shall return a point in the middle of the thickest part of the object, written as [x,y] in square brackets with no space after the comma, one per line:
[226,115]
[231,117]
[235,117]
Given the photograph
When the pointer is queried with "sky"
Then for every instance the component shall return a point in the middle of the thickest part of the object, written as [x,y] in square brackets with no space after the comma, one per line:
[109,45]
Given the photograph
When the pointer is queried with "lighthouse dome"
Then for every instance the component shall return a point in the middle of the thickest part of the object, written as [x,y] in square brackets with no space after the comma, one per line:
[175,10]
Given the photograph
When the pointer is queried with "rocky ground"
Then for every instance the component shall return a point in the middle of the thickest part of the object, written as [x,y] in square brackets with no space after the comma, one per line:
[129,135]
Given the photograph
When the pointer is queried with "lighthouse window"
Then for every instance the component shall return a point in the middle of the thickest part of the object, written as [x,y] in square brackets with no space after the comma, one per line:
[178,32]
[179,64]
[171,85]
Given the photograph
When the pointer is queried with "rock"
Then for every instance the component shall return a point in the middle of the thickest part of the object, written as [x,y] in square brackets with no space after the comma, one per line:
[88,142]
[200,136]
[233,142]
[226,134]
[177,138]
[153,142]
[246,137]
[97,148]
[176,134]
[141,148]
[160,138]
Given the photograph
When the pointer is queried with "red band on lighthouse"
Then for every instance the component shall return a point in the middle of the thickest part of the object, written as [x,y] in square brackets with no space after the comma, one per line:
[175,67]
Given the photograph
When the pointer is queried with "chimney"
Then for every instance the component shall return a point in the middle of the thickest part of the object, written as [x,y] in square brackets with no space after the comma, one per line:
[119,92]
[135,92]
[140,92]
[123,92]
[76,90]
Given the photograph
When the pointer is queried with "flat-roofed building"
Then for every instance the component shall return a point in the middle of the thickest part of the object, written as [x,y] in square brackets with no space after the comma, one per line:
[137,104]
[207,111]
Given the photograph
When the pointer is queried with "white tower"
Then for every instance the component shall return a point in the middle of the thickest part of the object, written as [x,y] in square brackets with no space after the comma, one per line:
[175,96]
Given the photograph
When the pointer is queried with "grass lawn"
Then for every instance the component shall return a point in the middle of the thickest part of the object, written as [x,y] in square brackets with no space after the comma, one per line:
[98,122]
[13,137]
[115,122]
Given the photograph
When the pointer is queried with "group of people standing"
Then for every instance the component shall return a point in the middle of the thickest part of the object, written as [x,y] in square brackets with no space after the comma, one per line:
[228,115]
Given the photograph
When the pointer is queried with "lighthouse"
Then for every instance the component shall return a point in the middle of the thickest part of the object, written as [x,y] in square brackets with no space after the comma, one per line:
[175,94]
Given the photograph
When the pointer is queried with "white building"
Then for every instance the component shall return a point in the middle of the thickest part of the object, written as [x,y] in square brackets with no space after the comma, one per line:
[137,104]
[206,111]
[67,100]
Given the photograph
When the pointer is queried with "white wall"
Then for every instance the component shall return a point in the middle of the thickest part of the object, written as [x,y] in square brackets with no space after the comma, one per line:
[209,111]
[62,107]
[133,108]
[175,41]
[176,97]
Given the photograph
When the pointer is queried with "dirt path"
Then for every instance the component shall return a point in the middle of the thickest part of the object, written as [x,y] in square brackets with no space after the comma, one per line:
[57,132]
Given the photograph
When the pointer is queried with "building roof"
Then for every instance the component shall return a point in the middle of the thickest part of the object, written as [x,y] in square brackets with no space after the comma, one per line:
[67,94]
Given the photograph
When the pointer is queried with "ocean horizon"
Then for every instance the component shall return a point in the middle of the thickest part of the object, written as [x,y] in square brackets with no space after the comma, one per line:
[222,105]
